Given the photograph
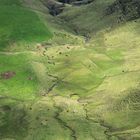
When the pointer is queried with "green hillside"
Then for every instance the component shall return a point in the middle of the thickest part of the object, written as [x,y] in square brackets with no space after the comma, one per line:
[73,75]
[19,24]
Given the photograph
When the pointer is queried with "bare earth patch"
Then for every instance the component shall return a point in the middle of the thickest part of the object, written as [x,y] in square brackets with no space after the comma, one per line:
[7,74]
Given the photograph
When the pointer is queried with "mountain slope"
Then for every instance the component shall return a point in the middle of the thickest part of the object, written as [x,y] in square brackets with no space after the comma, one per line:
[81,83]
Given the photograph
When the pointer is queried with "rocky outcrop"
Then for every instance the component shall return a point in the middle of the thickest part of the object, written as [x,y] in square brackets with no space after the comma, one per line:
[76,2]
[129,9]
[81,2]
[54,7]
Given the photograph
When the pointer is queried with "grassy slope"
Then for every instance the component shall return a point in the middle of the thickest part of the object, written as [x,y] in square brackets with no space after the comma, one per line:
[95,17]
[20,28]
[19,24]
[93,88]
[106,79]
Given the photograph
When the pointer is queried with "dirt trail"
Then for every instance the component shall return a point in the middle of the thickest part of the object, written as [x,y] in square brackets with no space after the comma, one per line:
[16,53]
[11,98]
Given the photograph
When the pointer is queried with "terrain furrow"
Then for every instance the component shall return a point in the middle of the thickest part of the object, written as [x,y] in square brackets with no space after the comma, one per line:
[63,123]
[101,123]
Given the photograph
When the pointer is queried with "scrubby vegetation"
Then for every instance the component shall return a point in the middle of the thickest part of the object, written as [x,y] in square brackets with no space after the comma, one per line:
[129,9]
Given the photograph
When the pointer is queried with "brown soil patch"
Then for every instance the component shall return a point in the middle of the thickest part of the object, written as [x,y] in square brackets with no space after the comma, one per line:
[7,74]
[30,78]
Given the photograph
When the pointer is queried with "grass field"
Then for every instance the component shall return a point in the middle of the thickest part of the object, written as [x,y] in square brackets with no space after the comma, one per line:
[70,89]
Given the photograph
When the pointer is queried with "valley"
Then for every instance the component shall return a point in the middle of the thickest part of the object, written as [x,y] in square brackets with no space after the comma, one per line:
[71,76]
